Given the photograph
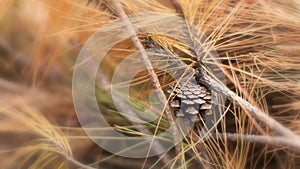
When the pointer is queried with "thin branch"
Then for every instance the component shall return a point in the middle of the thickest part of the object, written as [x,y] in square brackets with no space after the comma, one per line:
[144,58]
[274,140]
[253,110]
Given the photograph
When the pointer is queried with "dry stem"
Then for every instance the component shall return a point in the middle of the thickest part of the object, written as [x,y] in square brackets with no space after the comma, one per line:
[274,140]
[253,110]
[153,77]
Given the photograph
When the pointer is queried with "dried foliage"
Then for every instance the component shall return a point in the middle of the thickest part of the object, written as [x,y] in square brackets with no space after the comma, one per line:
[258,43]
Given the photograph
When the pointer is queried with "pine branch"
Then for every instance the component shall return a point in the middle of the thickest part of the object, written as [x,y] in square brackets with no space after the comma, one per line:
[274,140]
[221,88]
[145,59]
[253,110]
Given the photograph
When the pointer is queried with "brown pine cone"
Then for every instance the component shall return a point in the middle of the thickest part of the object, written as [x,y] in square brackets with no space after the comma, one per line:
[191,101]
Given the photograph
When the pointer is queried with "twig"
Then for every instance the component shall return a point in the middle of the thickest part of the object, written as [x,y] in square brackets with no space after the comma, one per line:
[274,140]
[253,110]
[153,77]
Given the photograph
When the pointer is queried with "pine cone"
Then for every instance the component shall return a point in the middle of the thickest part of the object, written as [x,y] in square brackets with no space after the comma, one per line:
[191,101]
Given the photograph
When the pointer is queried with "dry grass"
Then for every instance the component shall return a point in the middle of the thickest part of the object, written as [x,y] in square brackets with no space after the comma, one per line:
[257,41]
